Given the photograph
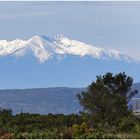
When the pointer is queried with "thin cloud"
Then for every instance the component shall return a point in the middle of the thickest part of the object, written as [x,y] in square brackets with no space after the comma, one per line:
[28,14]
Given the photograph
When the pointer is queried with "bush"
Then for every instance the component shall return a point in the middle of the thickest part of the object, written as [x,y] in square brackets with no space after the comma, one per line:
[127,124]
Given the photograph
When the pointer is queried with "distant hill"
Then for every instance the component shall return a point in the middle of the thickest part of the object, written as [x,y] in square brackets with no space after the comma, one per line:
[41,100]
[137,87]
[44,100]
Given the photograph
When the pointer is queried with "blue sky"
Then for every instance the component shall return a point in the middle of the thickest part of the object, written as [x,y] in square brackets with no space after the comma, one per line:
[103,24]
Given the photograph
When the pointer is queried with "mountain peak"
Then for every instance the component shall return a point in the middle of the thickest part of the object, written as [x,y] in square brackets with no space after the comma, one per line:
[58,37]
[43,48]
[36,37]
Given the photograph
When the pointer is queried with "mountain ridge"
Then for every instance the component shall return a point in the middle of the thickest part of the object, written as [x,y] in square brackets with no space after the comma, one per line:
[41,100]
[58,61]
[45,100]
[44,48]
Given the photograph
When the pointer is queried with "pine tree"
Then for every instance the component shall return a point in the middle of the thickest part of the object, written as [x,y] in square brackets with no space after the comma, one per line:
[106,100]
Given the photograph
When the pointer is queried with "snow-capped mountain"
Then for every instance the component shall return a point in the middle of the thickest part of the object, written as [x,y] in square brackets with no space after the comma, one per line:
[44,48]
[43,61]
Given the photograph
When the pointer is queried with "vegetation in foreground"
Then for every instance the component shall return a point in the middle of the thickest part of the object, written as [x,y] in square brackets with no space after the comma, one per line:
[105,115]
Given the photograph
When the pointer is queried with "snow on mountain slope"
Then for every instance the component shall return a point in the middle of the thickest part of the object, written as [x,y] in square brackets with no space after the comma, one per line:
[44,48]
[73,47]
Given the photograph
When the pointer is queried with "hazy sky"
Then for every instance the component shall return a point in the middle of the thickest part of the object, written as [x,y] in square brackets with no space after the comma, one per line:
[103,24]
